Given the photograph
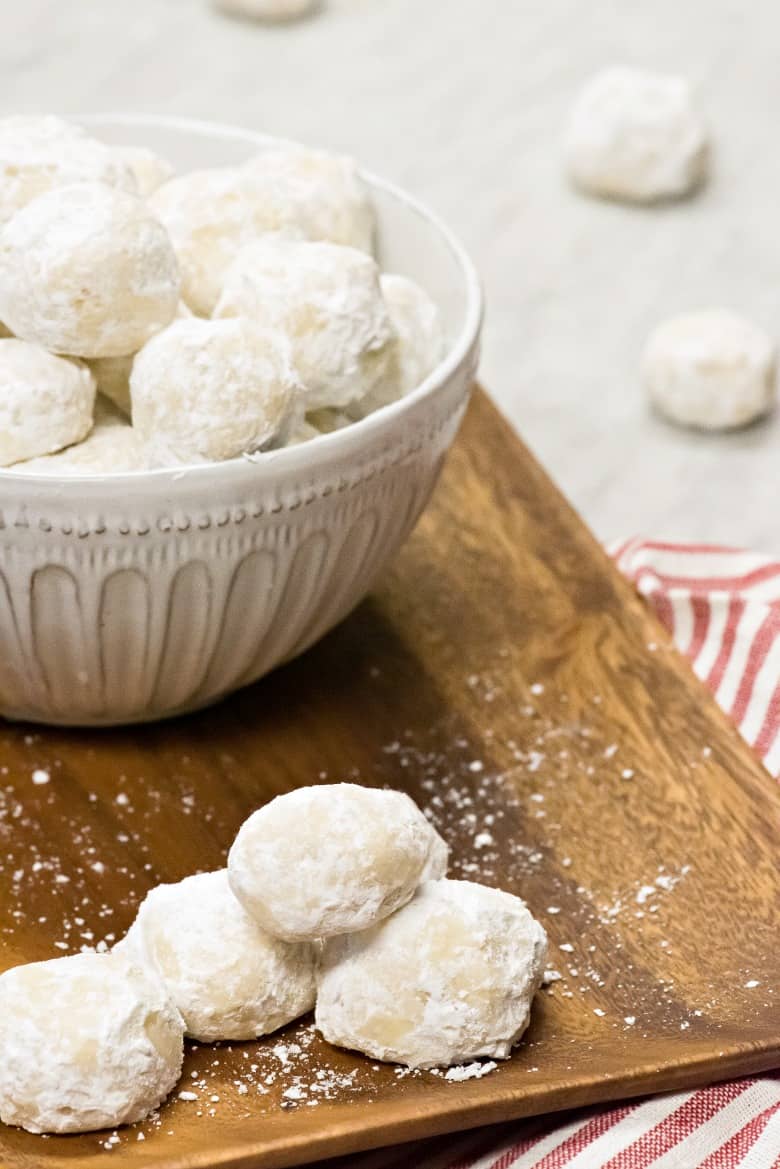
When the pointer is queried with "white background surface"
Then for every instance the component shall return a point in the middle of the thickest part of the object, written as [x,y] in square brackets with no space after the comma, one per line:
[463,102]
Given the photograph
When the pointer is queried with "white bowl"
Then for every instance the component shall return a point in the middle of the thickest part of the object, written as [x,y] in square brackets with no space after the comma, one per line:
[137,596]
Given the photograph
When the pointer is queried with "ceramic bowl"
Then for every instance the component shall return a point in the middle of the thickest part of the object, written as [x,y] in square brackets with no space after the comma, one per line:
[132,597]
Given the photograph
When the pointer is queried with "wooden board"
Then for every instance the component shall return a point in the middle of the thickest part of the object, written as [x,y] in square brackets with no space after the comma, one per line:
[506,677]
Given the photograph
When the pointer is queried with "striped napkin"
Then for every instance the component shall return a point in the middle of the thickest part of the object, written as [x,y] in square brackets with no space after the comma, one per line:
[722,607]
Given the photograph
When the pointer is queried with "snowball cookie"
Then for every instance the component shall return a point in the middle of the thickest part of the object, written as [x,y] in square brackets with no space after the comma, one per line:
[328,860]
[210,215]
[267,9]
[420,342]
[417,322]
[327,300]
[204,390]
[87,270]
[113,446]
[635,136]
[89,1041]
[710,369]
[447,979]
[45,401]
[323,193]
[227,976]
[40,153]
[149,170]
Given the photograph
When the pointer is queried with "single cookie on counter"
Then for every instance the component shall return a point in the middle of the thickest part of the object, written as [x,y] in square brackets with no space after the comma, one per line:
[710,369]
[447,979]
[636,136]
[328,860]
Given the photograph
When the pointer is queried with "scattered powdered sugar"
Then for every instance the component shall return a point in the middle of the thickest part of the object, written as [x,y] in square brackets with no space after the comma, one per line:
[505,824]
[470,1071]
[40,776]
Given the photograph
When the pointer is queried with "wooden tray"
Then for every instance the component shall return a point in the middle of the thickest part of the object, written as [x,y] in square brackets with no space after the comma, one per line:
[507,678]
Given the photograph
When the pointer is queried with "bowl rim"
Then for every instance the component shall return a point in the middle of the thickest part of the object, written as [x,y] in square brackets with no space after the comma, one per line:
[297,457]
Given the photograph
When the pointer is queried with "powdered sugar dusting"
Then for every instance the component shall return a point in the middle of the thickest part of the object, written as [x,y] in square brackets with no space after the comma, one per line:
[529,851]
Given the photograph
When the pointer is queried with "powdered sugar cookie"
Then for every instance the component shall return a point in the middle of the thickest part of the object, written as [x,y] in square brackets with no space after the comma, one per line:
[327,301]
[635,135]
[45,401]
[39,153]
[213,214]
[210,215]
[328,860]
[447,979]
[710,369]
[419,346]
[89,1041]
[86,270]
[205,390]
[323,192]
[227,976]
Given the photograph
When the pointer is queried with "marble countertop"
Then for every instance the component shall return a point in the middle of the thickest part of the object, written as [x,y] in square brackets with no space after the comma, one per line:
[463,102]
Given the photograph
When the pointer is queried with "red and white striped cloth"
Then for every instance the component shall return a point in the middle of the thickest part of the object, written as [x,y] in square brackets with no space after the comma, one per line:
[722,607]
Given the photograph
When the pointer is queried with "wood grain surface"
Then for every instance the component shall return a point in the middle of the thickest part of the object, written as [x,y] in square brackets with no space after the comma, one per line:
[506,678]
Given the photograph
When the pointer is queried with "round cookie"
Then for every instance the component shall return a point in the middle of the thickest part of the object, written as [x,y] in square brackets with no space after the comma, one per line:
[272,10]
[417,322]
[710,369]
[149,170]
[446,980]
[419,346]
[89,1042]
[324,194]
[210,215]
[327,301]
[46,402]
[211,390]
[227,976]
[113,446]
[636,136]
[38,153]
[328,860]
[87,270]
